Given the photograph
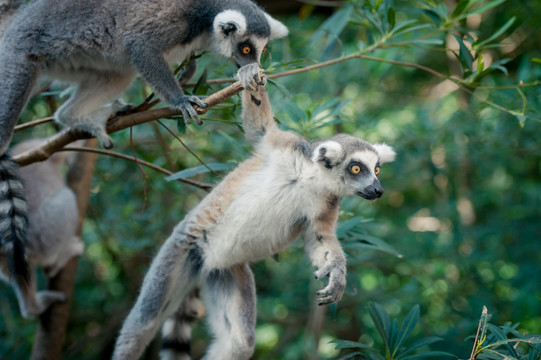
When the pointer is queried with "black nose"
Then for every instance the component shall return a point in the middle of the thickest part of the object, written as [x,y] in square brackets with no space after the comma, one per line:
[374,191]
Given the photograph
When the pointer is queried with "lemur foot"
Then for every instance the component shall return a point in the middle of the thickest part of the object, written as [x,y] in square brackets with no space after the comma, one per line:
[37,306]
[120,107]
[186,106]
[251,76]
[337,283]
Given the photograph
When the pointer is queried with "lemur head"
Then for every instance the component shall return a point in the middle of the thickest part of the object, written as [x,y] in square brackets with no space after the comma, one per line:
[242,34]
[353,165]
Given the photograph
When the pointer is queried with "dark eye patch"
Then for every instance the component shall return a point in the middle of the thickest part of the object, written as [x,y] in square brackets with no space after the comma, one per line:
[246,45]
[363,169]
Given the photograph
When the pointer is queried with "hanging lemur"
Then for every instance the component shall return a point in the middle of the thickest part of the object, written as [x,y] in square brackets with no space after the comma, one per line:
[53,219]
[290,186]
[100,46]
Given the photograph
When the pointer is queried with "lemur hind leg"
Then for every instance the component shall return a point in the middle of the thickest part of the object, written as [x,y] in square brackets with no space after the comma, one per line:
[230,301]
[88,108]
[171,277]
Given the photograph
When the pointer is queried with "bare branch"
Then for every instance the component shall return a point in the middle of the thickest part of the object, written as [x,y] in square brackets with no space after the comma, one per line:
[206,187]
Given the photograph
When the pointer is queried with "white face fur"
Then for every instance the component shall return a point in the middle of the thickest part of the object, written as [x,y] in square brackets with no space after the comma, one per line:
[353,172]
[232,40]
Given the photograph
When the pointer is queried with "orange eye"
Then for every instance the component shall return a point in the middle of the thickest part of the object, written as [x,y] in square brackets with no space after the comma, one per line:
[264,50]
[376,170]
[246,50]
[355,169]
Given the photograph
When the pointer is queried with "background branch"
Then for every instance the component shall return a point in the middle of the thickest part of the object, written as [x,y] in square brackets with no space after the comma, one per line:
[52,327]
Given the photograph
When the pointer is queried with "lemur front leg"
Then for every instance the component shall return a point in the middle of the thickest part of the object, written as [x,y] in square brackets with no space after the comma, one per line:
[156,72]
[327,255]
[251,76]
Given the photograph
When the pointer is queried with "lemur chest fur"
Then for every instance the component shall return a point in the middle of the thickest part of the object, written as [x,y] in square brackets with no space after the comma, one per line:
[273,205]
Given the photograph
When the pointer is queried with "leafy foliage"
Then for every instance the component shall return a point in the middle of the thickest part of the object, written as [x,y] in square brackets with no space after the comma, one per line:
[393,338]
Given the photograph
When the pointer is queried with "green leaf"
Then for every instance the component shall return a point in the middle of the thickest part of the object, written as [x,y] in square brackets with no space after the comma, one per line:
[480,64]
[381,320]
[201,169]
[430,355]
[350,356]
[536,60]
[482,9]
[181,126]
[200,85]
[333,26]
[369,242]
[434,16]
[410,321]
[464,55]
[496,34]
[422,343]
[391,18]
[459,8]
[347,344]
[502,337]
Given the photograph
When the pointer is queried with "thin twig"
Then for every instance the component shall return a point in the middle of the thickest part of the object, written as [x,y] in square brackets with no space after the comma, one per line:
[33,123]
[185,146]
[206,187]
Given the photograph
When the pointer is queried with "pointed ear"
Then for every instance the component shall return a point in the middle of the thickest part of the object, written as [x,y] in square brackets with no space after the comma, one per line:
[278,30]
[228,22]
[385,152]
[329,153]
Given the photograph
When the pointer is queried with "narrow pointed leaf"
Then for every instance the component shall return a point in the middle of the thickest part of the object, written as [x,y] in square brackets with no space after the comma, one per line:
[421,343]
[465,57]
[498,32]
[201,169]
[408,325]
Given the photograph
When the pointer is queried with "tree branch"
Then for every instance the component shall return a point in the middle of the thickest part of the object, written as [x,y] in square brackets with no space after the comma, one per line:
[52,327]
[118,123]
[121,122]
[206,187]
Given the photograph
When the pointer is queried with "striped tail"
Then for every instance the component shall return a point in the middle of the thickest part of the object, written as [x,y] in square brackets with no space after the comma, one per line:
[177,329]
[13,220]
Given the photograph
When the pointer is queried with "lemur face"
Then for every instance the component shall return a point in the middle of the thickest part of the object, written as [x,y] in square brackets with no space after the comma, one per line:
[353,165]
[244,38]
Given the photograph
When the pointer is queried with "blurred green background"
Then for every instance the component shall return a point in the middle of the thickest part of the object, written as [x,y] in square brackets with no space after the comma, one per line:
[459,225]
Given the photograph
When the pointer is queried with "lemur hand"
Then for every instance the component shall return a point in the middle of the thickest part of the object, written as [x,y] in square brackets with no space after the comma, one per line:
[251,76]
[186,105]
[336,270]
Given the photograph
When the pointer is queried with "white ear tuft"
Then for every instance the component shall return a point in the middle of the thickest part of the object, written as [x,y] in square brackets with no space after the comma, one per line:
[278,30]
[385,152]
[229,21]
[330,153]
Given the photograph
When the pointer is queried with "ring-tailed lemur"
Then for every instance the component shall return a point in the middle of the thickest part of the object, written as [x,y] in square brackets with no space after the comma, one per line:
[53,219]
[100,45]
[290,186]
